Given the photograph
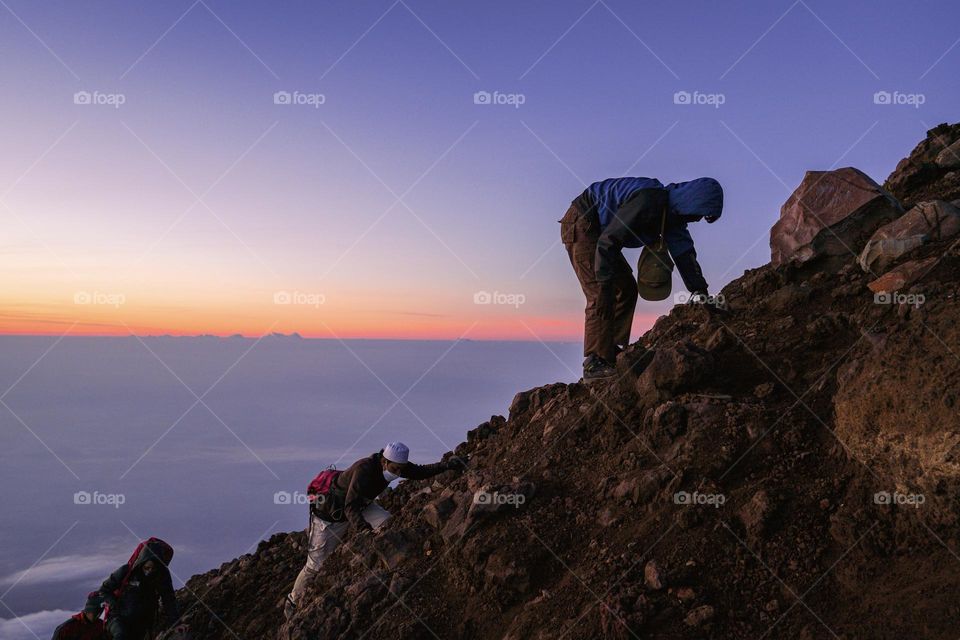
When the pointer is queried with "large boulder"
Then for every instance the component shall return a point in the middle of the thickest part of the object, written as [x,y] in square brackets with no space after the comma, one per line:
[931,170]
[926,222]
[831,213]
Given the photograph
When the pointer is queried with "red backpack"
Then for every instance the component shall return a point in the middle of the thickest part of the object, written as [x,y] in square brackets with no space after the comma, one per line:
[160,550]
[322,484]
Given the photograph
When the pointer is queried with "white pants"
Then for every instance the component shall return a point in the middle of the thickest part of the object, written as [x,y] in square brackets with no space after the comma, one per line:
[323,539]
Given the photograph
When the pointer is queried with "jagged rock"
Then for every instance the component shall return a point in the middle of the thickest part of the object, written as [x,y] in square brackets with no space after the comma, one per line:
[369,581]
[607,518]
[505,573]
[831,213]
[902,275]
[628,488]
[533,399]
[653,576]
[671,370]
[949,158]
[399,584]
[926,222]
[392,547]
[457,523]
[699,616]
[670,419]
[436,512]
[719,339]
[554,422]
[763,390]
[786,298]
[755,514]
[633,360]
[920,176]
[686,594]
[520,403]
[485,430]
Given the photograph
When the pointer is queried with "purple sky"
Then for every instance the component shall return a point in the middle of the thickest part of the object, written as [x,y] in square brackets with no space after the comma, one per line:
[198,199]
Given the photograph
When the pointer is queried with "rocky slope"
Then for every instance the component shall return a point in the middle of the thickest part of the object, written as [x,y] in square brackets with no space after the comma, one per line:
[787,470]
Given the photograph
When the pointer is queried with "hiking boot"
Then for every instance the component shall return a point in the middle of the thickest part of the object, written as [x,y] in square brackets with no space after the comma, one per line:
[596,368]
[289,608]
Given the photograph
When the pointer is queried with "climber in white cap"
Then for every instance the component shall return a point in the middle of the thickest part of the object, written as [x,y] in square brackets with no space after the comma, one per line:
[344,501]
[396,452]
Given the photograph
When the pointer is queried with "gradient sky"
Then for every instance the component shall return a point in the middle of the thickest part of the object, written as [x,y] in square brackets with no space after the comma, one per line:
[383,211]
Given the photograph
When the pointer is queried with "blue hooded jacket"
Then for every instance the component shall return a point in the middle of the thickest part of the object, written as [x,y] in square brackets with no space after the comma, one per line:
[627,218]
[695,199]
[610,194]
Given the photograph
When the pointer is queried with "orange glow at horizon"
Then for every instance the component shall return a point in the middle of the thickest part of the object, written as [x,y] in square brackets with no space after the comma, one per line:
[398,326]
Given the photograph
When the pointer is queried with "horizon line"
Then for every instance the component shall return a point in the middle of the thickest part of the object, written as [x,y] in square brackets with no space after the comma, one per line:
[294,335]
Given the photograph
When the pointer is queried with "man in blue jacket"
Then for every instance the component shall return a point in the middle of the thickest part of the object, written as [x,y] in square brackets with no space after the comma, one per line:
[627,212]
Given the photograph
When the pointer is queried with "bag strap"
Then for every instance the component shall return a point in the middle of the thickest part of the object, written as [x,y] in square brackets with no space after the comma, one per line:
[663,226]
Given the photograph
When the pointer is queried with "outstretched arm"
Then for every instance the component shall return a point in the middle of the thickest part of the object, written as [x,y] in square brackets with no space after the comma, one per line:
[690,271]
[111,584]
[423,471]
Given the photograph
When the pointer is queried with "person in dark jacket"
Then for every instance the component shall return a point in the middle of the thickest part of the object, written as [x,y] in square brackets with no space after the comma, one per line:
[628,212]
[132,595]
[349,506]
[85,625]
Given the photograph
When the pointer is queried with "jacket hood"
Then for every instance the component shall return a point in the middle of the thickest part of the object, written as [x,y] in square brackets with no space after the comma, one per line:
[147,554]
[698,198]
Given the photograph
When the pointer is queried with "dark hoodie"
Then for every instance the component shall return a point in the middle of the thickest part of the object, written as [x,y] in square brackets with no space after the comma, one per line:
[139,598]
[359,485]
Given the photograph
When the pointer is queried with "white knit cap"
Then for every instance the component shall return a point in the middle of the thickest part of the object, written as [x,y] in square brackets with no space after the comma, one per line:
[396,452]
